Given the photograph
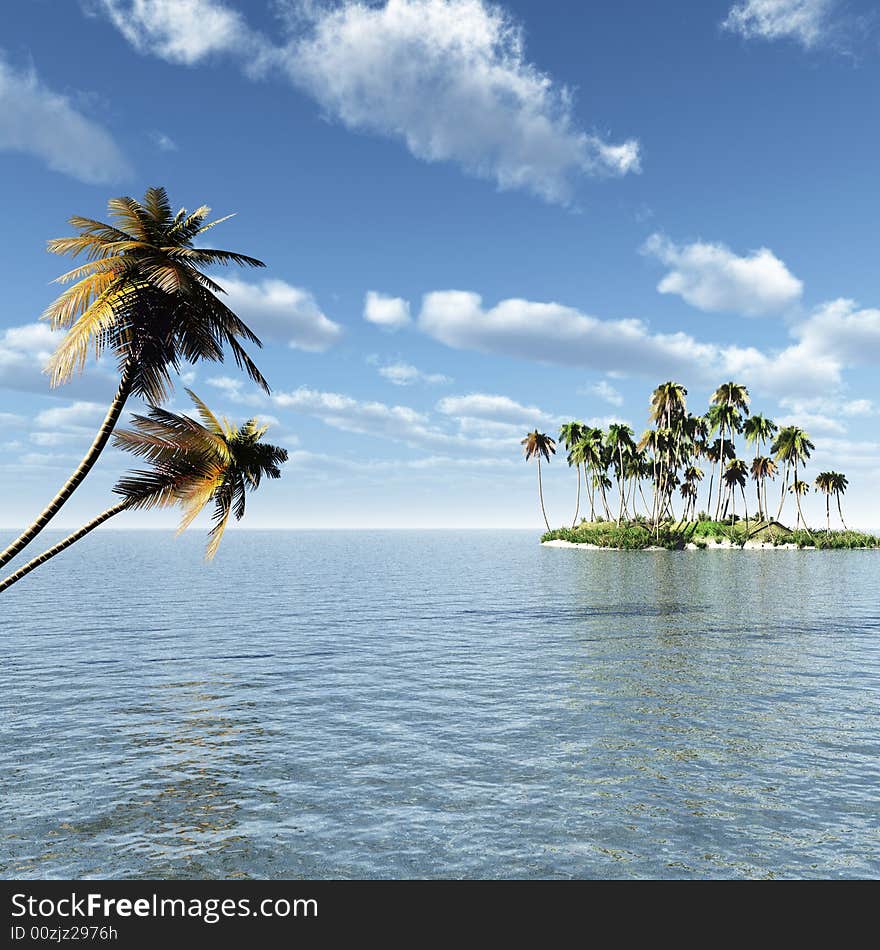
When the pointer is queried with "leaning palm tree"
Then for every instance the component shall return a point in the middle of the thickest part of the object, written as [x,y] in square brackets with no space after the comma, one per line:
[537,444]
[799,488]
[728,404]
[838,488]
[192,465]
[620,441]
[570,435]
[142,297]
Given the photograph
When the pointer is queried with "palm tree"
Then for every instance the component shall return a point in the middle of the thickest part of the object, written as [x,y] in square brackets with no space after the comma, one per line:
[668,406]
[620,441]
[799,488]
[762,469]
[831,483]
[690,489]
[728,403]
[758,429]
[839,487]
[192,465]
[537,444]
[143,297]
[791,446]
[735,477]
[570,435]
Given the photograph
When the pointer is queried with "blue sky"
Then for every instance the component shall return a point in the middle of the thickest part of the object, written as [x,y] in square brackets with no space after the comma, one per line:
[477,219]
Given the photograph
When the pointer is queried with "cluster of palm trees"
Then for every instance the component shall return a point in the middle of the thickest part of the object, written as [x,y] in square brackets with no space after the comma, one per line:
[143,297]
[646,473]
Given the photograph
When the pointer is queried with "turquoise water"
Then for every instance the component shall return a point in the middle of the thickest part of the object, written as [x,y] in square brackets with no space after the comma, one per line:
[439,704]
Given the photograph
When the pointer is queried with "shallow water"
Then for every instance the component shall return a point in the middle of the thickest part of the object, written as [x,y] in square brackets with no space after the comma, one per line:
[439,704]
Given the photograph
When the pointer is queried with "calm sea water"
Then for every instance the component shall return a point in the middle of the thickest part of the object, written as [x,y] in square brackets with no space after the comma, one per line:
[433,704]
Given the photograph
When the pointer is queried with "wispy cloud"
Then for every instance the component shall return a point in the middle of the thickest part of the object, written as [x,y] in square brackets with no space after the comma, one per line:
[807,22]
[405,374]
[374,67]
[38,121]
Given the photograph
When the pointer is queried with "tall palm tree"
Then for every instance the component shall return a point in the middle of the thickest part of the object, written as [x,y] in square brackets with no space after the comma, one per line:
[831,483]
[191,465]
[792,446]
[839,486]
[668,406]
[539,444]
[758,430]
[735,477]
[728,404]
[620,441]
[762,469]
[570,435]
[143,297]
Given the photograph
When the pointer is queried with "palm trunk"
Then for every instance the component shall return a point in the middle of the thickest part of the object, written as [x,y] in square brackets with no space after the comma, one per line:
[541,496]
[720,466]
[782,496]
[828,512]
[840,511]
[591,485]
[85,466]
[577,507]
[797,498]
[62,545]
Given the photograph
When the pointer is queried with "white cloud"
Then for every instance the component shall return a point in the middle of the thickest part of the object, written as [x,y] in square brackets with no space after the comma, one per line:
[405,374]
[840,331]
[451,80]
[830,406]
[11,420]
[37,121]
[812,422]
[389,312]
[376,67]
[180,31]
[604,390]
[236,390]
[804,21]
[24,352]
[556,334]
[497,409]
[163,142]
[711,277]
[396,423]
[78,413]
[277,310]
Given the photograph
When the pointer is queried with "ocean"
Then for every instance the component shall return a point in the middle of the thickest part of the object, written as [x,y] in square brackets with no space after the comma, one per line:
[439,704]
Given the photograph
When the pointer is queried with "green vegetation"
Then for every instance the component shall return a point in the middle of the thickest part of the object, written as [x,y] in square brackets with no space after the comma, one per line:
[645,476]
[638,535]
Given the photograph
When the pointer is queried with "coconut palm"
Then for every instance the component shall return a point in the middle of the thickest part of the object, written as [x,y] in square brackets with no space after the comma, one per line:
[759,430]
[728,403]
[792,446]
[620,441]
[570,435]
[142,297]
[539,444]
[799,488]
[668,406]
[831,483]
[735,477]
[192,464]
[838,488]
[762,469]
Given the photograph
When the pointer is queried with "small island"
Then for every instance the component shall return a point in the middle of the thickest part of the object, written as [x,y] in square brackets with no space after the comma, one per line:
[631,486]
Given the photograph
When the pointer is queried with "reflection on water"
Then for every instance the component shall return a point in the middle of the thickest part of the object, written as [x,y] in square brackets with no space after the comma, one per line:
[439,704]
